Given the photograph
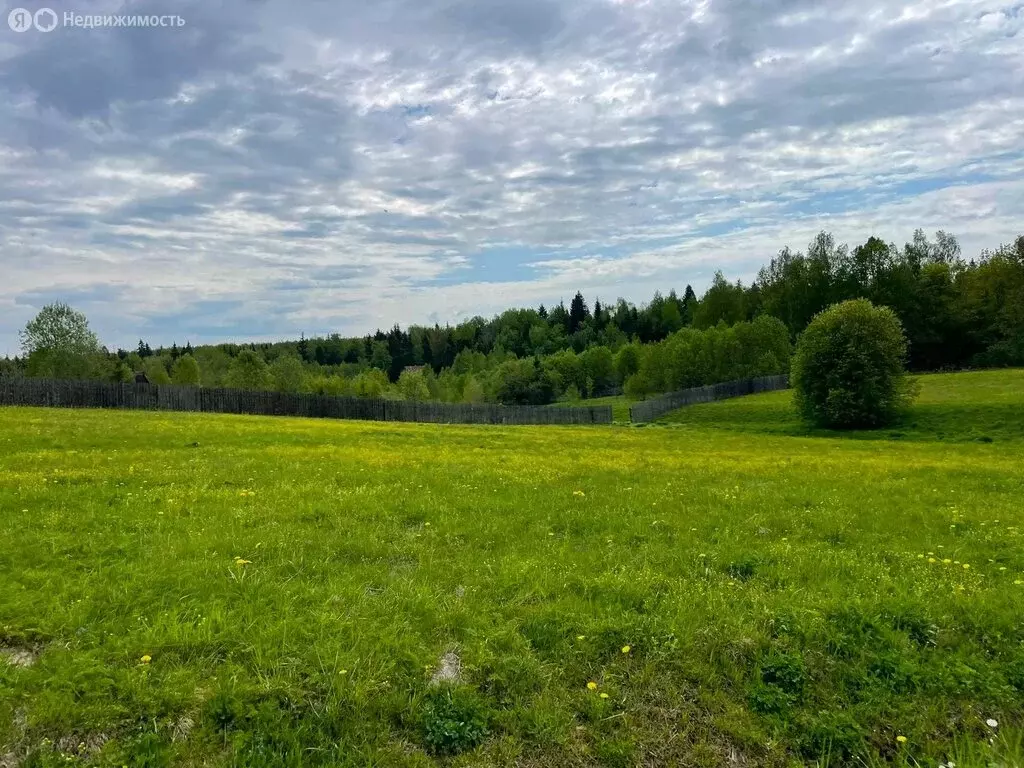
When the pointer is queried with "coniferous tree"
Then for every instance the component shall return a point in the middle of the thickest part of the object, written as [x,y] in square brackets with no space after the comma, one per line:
[689,305]
[578,312]
[559,318]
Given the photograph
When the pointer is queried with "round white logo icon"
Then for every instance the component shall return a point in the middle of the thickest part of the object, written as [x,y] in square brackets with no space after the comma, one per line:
[45,19]
[20,20]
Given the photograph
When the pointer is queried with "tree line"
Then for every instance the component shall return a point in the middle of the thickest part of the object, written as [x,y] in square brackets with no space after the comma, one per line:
[956,313]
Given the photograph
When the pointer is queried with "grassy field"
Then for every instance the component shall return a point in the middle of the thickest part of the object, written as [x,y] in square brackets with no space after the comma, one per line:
[983,406]
[619,403]
[725,591]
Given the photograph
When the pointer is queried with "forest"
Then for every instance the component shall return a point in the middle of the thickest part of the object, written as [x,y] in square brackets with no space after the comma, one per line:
[956,312]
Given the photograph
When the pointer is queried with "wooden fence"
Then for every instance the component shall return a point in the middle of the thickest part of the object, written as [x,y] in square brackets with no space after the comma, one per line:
[98,394]
[649,410]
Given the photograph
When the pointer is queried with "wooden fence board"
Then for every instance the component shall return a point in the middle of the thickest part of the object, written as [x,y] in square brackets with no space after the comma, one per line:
[649,410]
[99,394]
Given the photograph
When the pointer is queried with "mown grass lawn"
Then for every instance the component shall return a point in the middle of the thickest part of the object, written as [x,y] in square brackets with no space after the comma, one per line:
[223,590]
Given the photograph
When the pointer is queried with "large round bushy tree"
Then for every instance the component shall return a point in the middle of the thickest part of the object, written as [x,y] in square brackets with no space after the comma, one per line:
[849,367]
[58,343]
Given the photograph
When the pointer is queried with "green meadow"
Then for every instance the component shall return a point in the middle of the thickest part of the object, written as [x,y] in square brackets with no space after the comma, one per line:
[722,588]
[620,405]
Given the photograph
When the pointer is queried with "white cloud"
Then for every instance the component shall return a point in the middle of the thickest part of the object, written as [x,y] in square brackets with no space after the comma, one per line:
[265,171]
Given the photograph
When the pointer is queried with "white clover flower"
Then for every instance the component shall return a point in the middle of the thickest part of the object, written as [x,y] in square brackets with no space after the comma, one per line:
[992,723]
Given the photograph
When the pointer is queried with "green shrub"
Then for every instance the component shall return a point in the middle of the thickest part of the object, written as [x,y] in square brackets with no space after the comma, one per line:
[287,374]
[454,721]
[848,370]
[769,699]
[637,386]
[785,671]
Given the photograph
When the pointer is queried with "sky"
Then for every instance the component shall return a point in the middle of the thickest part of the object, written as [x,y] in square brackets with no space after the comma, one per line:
[277,167]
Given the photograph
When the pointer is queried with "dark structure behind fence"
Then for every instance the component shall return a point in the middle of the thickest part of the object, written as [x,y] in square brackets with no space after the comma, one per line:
[98,394]
[649,410]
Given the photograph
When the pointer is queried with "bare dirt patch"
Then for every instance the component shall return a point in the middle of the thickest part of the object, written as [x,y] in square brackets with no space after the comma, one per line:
[449,669]
[19,656]
[81,745]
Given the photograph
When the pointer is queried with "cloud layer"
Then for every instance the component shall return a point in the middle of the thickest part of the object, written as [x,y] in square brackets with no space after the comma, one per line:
[275,167]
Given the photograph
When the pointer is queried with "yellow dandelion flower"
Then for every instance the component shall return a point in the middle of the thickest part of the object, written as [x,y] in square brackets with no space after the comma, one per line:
[901,739]
[967,566]
[946,561]
[591,686]
[581,637]
[931,559]
[146,659]
[242,561]
[427,525]
[578,493]
[626,649]
[604,695]
[343,672]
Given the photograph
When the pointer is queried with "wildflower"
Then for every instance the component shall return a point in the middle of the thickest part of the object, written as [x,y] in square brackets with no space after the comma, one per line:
[967,566]
[901,739]
[427,525]
[1003,568]
[591,686]
[947,561]
[1018,582]
[626,649]
[931,559]
[992,723]
[604,695]
[581,637]
[343,672]
[920,557]
[578,493]
[242,561]
[146,659]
